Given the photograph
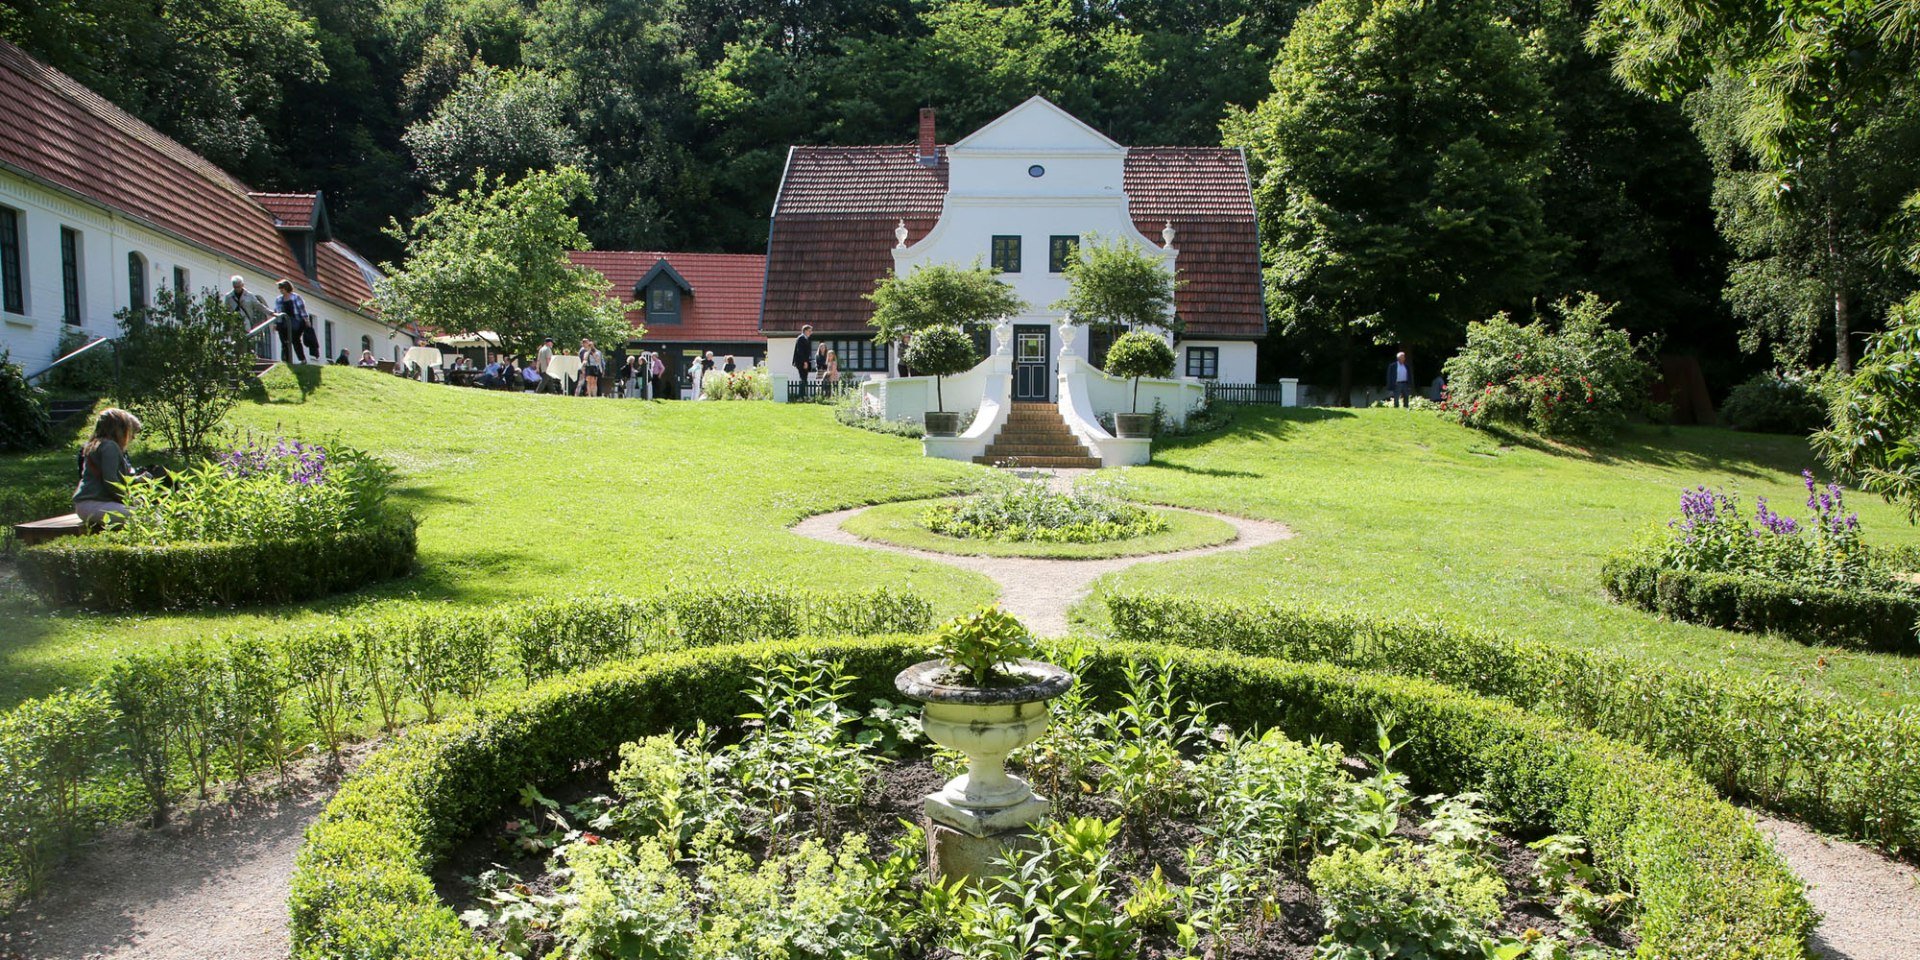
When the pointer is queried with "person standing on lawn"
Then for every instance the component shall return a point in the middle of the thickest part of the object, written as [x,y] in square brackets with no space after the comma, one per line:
[295,324]
[541,361]
[1400,379]
[803,353]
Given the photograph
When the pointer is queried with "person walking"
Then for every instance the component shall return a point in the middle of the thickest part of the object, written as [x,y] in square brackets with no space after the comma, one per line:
[295,324]
[1400,379]
[803,355]
[541,361]
[253,309]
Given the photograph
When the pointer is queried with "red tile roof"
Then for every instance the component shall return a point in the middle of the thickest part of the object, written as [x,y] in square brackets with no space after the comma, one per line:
[832,233]
[343,274]
[291,211]
[65,135]
[724,306]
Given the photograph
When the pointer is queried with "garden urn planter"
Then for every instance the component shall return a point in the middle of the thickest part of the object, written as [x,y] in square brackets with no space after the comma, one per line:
[1133,425]
[942,424]
[976,815]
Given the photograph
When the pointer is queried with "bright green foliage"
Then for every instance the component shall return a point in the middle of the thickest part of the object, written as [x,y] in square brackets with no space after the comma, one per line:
[983,645]
[47,749]
[181,364]
[1579,379]
[1404,901]
[1117,284]
[506,122]
[493,257]
[1139,354]
[23,410]
[1776,402]
[941,350]
[1398,196]
[321,664]
[1010,509]
[1835,765]
[1875,437]
[940,295]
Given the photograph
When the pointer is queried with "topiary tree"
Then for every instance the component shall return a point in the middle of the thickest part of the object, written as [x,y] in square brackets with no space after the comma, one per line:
[938,294]
[1139,354]
[181,365]
[942,350]
[1118,284]
[23,410]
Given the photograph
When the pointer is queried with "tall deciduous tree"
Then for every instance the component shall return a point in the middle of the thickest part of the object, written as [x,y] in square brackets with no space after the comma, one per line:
[501,121]
[493,257]
[938,294]
[1792,83]
[1399,166]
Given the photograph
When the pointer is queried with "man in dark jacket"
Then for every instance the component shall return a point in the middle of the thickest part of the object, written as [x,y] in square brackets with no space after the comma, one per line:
[803,352]
[1400,379]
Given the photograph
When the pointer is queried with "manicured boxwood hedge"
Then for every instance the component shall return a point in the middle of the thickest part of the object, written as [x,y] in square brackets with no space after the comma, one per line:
[1861,619]
[1817,758]
[99,574]
[1709,885]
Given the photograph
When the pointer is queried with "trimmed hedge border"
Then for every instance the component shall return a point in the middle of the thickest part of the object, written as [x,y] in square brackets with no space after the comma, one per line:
[1861,619]
[103,575]
[1709,884]
[1834,765]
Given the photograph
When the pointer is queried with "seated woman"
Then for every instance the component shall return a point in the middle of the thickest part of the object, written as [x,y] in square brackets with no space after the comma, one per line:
[104,467]
[367,360]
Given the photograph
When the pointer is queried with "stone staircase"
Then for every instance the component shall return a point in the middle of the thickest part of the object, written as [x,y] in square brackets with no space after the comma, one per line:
[1035,436]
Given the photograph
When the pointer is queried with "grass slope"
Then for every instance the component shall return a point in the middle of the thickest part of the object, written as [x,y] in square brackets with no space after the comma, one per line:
[521,496]
[900,524]
[1401,512]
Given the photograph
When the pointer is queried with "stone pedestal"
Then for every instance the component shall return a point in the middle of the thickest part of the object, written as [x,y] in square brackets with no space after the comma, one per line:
[956,853]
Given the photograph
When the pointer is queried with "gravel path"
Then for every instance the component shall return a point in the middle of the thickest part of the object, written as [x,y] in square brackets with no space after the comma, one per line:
[1040,592]
[1869,903]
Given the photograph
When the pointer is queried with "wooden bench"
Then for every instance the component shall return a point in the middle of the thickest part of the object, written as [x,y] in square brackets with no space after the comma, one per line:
[40,531]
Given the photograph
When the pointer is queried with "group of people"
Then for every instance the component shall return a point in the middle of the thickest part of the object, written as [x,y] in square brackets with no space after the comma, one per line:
[642,376]
[809,360]
[292,324]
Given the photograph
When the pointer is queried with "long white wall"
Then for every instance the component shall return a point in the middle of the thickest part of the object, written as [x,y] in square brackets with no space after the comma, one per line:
[106,240]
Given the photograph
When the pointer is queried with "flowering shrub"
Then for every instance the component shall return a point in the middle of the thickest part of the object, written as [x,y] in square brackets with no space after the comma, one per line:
[1579,381]
[748,384]
[1711,536]
[257,491]
[1015,510]
[1777,403]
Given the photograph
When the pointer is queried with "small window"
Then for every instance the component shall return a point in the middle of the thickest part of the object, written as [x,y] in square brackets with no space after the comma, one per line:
[329,329]
[70,275]
[663,303]
[1036,171]
[1060,251]
[1006,254]
[858,356]
[1099,343]
[136,281]
[366,343]
[14,294]
[1203,363]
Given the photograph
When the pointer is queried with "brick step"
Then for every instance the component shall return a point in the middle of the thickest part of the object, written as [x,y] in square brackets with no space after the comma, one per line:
[1055,463]
[1035,436]
[1000,452]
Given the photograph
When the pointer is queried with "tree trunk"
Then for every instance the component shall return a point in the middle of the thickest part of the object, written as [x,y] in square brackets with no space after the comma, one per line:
[939,402]
[1842,330]
[1136,394]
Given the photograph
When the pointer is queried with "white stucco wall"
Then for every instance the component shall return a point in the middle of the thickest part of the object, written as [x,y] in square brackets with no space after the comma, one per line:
[106,238]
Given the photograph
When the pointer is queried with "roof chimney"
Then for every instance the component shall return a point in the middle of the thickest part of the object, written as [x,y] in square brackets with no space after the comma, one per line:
[928,154]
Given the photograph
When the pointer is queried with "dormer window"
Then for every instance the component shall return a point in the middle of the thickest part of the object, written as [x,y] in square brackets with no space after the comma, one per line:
[662,291]
[663,303]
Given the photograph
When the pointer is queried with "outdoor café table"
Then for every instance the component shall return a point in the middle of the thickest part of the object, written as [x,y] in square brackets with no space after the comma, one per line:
[424,358]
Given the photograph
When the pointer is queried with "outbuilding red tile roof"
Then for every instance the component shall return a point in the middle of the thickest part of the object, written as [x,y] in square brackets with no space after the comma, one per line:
[291,211]
[832,234]
[724,306]
[69,137]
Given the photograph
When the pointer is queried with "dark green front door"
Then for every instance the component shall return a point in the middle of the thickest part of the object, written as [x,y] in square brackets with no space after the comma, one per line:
[1032,351]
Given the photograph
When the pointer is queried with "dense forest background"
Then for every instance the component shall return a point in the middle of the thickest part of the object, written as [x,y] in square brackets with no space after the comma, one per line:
[681,113]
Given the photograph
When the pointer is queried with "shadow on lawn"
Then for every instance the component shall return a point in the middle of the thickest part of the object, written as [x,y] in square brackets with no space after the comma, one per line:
[1709,450]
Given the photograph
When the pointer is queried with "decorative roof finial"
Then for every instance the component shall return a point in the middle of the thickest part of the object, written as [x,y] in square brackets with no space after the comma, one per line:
[900,234]
[1166,236]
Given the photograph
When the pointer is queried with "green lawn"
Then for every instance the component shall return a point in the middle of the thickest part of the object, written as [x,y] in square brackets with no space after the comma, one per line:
[1401,512]
[521,496]
[1396,511]
[900,523]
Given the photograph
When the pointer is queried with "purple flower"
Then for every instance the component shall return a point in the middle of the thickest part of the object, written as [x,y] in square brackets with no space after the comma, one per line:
[1775,523]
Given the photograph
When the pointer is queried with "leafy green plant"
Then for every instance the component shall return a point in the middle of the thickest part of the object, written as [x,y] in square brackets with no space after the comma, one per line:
[48,747]
[941,351]
[181,364]
[933,295]
[23,410]
[1139,354]
[1580,379]
[1118,284]
[1402,900]
[1776,402]
[1012,509]
[983,645]
[321,662]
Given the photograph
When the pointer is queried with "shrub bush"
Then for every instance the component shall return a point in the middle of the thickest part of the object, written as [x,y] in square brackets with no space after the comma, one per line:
[99,573]
[23,410]
[164,720]
[1817,758]
[1776,402]
[89,374]
[1709,884]
[1579,381]
[1015,510]
[752,383]
[1880,620]
[181,364]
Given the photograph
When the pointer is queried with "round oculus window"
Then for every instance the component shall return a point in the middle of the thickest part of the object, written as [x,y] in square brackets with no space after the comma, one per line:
[1036,171]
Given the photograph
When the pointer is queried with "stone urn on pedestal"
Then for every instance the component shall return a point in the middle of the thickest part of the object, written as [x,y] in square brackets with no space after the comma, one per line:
[984,697]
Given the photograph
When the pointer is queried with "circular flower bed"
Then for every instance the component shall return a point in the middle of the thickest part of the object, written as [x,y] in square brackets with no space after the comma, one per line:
[904,524]
[1029,510]
[778,837]
[1813,579]
[266,521]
